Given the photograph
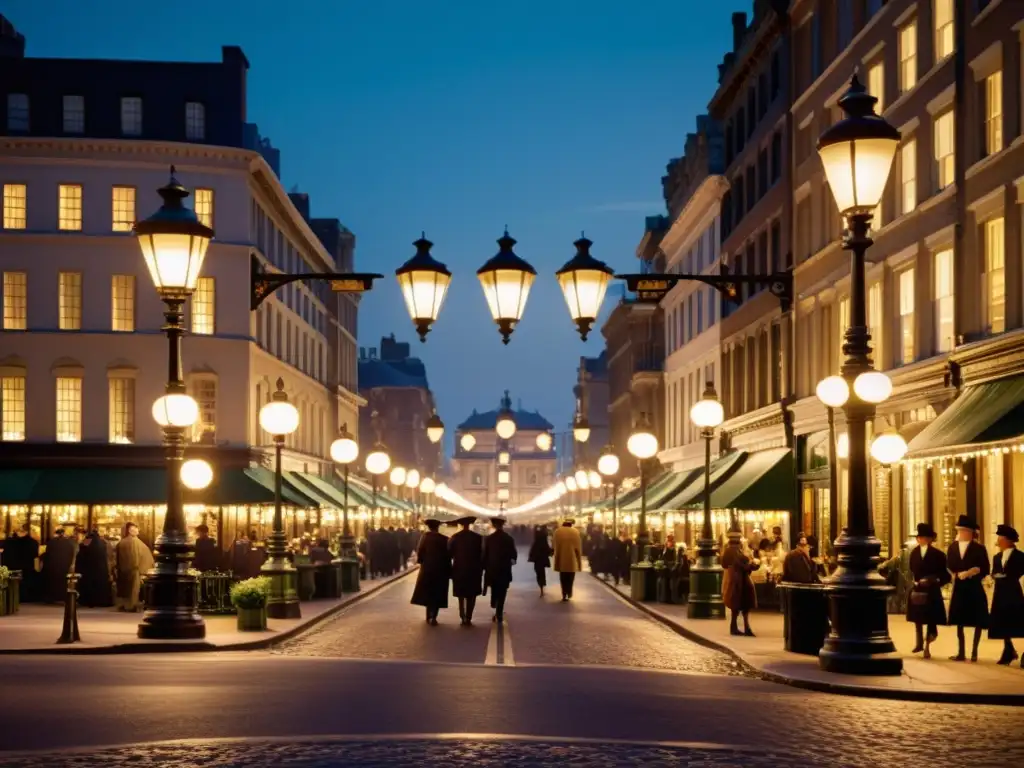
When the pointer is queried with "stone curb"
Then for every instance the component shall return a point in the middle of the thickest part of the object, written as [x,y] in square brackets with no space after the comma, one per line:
[842,689]
[260,643]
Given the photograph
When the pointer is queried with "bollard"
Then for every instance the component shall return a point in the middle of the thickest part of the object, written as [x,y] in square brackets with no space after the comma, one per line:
[70,631]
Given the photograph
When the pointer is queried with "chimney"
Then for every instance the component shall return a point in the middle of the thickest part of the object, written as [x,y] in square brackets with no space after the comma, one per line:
[12,42]
[739,29]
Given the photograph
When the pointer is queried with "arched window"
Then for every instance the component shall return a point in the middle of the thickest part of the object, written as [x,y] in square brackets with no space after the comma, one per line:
[533,478]
[477,478]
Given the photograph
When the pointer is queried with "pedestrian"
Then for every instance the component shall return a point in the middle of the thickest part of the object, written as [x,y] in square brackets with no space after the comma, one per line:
[20,552]
[620,547]
[968,563]
[402,539]
[467,552]
[925,606]
[540,556]
[58,562]
[568,551]
[321,553]
[737,587]
[1007,620]
[207,555]
[798,568]
[134,560]
[500,554]
[93,568]
[435,569]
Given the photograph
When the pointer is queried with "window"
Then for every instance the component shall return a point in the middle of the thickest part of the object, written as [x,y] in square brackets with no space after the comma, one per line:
[15,301]
[943,270]
[995,275]
[908,176]
[204,206]
[123,207]
[15,209]
[944,149]
[477,478]
[845,23]
[776,157]
[993,113]
[69,409]
[122,410]
[843,316]
[69,292]
[908,57]
[17,111]
[204,306]
[876,84]
[195,121]
[122,303]
[907,316]
[69,207]
[204,391]
[74,114]
[943,29]
[533,479]
[875,319]
[131,115]
[12,408]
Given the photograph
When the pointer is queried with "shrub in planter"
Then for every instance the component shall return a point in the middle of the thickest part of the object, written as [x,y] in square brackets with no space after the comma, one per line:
[250,600]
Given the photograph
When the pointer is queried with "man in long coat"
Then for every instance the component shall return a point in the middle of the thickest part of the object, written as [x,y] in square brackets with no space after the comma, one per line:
[134,560]
[58,561]
[568,556]
[467,551]
[1007,620]
[968,562]
[500,554]
[93,565]
[737,587]
[435,569]
[20,551]
[925,605]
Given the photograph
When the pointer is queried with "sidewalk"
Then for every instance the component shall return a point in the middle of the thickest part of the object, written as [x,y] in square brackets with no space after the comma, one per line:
[35,628]
[936,679]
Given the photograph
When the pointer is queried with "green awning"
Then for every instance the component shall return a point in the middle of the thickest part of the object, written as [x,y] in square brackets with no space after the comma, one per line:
[384,500]
[984,413]
[298,483]
[16,485]
[763,482]
[361,497]
[662,489]
[265,478]
[327,489]
[692,495]
[84,485]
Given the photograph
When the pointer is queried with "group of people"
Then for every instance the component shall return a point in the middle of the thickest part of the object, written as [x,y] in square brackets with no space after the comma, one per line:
[388,549]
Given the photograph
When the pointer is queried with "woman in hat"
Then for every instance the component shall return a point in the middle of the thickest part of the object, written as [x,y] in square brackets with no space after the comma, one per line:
[925,606]
[967,561]
[1007,620]
[435,569]
[737,587]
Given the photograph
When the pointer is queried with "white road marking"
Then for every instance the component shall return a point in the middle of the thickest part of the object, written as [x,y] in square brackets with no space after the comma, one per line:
[499,647]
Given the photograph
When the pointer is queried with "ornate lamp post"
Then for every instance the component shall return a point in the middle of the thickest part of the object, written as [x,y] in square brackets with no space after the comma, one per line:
[280,418]
[857,154]
[424,282]
[571,488]
[584,281]
[608,465]
[345,450]
[427,488]
[705,600]
[377,463]
[642,445]
[506,280]
[397,478]
[173,244]
[412,482]
[833,392]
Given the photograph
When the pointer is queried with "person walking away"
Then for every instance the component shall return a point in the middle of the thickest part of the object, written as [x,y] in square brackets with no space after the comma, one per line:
[58,561]
[431,589]
[968,563]
[134,560]
[402,539]
[540,556]
[93,566]
[798,568]
[620,557]
[500,554]
[1007,619]
[467,552]
[925,605]
[568,551]
[207,556]
[20,552]
[737,587]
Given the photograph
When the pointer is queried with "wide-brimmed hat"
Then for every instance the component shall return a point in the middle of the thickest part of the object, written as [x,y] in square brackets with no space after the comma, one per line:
[926,531]
[1008,532]
[966,522]
[431,522]
[497,522]
[569,521]
[467,520]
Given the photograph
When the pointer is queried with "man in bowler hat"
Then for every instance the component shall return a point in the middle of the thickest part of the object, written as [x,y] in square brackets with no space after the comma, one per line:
[925,605]
[967,561]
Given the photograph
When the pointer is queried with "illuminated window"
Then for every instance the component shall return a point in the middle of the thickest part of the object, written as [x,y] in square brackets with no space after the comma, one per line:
[204,306]
[907,316]
[944,149]
[908,176]
[15,209]
[843,315]
[123,209]
[995,275]
[943,29]
[69,409]
[122,410]
[15,301]
[69,293]
[69,207]
[74,114]
[876,85]
[477,479]
[943,271]
[195,121]
[993,113]
[17,111]
[204,390]
[122,303]
[875,318]
[908,57]
[131,115]
[204,206]
[12,407]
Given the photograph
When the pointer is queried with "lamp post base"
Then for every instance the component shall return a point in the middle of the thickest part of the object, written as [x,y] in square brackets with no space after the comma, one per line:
[283,602]
[705,598]
[643,582]
[349,565]
[171,599]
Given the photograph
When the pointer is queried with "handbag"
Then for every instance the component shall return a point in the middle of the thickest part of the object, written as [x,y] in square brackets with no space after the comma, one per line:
[918,598]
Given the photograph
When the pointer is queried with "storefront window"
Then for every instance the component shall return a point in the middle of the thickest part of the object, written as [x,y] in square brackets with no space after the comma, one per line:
[993,510]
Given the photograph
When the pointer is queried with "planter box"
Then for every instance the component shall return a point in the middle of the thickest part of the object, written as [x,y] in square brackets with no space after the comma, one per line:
[252,619]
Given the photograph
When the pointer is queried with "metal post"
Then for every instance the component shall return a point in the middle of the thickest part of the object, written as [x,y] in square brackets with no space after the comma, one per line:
[283,602]
[705,600]
[833,480]
[69,633]
[349,558]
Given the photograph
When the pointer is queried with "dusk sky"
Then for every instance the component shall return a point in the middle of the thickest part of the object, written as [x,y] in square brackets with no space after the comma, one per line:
[456,118]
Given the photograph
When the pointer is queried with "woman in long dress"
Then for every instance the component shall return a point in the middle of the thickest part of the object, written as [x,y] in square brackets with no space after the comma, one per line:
[925,606]
[540,556]
[1007,619]
[134,560]
[968,563]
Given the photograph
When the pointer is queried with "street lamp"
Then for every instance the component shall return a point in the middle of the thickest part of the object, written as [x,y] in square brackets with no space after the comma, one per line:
[280,418]
[345,450]
[173,244]
[412,482]
[397,476]
[424,282]
[705,600]
[505,425]
[584,281]
[582,479]
[581,429]
[506,280]
[544,441]
[377,463]
[593,479]
[833,392]
[435,428]
[467,441]
[857,154]
[427,487]
[196,474]
[608,465]
[642,445]
[888,448]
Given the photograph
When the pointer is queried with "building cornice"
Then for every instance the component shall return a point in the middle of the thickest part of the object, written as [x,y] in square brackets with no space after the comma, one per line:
[754,46]
[708,193]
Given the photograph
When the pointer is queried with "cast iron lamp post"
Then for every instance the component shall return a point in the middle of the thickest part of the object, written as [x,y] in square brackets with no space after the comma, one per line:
[345,450]
[173,244]
[857,154]
[642,445]
[608,465]
[377,463]
[280,418]
[833,392]
[705,601]
[427,488]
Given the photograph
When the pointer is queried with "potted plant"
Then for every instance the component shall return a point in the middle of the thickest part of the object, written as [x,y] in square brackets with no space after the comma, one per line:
[250,600]
[5,574]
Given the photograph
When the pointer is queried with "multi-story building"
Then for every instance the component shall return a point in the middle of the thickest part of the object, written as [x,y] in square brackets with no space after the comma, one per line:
[476,471]
[84,145]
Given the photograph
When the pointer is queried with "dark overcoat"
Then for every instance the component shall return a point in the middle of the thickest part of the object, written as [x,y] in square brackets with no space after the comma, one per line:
[95,587]
[737,588]
[969,606]
[57,563]
[499,554]
[435,569]
[1007,620]
[467,551]
[930,574]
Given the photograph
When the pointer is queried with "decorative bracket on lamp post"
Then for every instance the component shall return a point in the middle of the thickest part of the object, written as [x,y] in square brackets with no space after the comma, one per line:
[264,283]
[651,288]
